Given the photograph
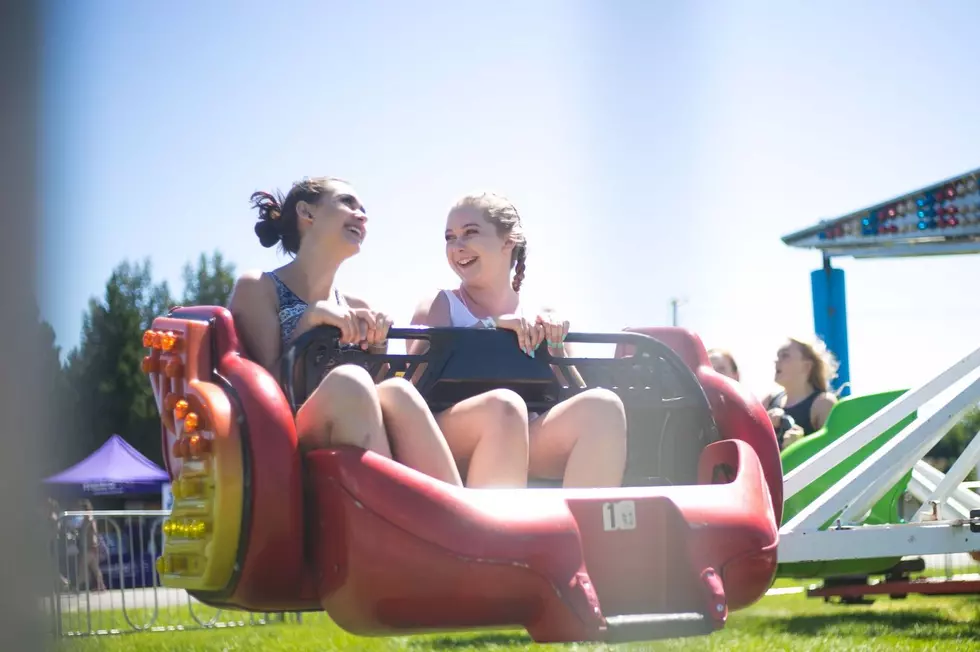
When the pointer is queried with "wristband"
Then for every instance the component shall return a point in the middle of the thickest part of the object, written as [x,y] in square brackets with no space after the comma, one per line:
[489,322]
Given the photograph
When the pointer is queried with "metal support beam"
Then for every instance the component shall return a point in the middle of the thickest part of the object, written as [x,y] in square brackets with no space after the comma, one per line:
[956,474]
[893,466]
[877,541]
[885,466]
[925,479]
[867,431]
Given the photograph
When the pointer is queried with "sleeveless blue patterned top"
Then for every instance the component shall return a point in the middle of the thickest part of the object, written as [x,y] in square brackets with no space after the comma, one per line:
[291,308]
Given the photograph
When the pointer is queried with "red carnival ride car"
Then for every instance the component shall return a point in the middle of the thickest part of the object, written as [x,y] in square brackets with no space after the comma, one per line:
[385,550]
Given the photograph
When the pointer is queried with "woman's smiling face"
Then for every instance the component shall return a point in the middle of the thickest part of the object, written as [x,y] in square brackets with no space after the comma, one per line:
[474,248]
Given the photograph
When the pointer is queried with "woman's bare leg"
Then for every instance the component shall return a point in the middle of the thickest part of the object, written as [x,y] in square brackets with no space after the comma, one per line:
[343,409]
[488,434]
[581,440]
[413,432]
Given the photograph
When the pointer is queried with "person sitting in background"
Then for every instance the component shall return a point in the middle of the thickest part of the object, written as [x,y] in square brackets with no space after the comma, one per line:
[804,370]
[724,363]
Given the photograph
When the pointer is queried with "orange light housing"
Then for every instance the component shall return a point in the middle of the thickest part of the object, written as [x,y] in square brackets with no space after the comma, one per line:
[168,341]
[150,365]
[181,408]
[191,422]
[173,369]
[199,445]
[148,339]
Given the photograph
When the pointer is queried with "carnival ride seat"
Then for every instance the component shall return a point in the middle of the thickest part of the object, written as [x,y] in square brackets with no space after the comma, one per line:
[384,549]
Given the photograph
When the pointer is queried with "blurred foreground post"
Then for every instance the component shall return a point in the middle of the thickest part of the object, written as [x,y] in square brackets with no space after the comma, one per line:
[23,431]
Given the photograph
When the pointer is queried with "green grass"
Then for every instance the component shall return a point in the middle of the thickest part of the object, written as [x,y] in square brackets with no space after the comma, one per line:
[787,622]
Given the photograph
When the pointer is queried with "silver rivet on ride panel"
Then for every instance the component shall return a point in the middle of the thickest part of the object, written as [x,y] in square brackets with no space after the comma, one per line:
[719,608]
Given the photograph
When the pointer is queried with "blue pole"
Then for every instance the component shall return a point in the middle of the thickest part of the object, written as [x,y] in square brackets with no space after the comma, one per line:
[830,317]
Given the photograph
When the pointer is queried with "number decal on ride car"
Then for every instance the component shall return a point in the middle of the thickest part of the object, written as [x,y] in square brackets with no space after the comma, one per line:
[619,516]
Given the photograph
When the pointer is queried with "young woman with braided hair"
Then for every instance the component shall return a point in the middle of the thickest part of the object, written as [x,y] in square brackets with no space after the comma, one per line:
[581,441]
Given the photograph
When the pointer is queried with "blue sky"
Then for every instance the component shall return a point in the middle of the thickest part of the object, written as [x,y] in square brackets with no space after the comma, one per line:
[654,149]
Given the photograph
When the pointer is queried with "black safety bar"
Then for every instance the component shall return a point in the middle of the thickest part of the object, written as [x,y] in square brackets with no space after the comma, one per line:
[463,360]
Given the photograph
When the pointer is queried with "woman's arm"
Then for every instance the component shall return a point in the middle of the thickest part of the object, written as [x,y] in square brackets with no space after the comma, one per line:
[432,312]
[253,306]
[820,409]
[563,350]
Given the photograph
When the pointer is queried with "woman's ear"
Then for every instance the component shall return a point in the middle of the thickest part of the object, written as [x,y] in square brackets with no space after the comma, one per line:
[509,244]
[304,211]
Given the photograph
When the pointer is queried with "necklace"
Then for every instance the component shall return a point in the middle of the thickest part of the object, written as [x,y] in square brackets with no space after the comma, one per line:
[466,303]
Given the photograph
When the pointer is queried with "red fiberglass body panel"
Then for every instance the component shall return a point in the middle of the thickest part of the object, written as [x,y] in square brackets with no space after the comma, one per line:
[738,414]
[385,549]
[273,573]
[399,552]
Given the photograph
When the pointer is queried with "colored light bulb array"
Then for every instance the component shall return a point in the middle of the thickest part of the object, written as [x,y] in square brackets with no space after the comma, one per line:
[185,528]
[948,206]
[193,488]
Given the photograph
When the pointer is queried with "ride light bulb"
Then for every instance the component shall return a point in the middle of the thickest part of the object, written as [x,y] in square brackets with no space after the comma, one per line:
[168,341]
[199,445]
[181,408]
[148,339]
[191,422]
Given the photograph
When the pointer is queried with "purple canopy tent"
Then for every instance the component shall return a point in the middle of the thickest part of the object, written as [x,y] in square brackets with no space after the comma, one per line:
[116,468]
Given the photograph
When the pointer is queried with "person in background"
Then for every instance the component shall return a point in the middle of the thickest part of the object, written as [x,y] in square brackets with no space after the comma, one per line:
[803,370]
[787,431]
[724,363]
[55,536]
[90,544]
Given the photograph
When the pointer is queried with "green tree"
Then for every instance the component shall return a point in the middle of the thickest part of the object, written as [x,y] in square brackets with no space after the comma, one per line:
[944,453]
[111,392]
[58,450]
[211,283]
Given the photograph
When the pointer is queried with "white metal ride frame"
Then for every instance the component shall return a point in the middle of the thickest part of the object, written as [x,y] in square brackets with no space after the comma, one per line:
[940,526]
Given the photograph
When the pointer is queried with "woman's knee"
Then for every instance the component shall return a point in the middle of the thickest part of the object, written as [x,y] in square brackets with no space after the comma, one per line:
[398,393]
[602,409]
[345,393]
[348,382]
[505,407]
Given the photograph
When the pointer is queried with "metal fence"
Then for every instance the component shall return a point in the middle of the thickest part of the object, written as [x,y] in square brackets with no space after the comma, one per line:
[103,580]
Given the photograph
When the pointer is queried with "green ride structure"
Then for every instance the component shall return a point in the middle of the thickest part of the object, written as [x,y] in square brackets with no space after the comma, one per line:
[844,417]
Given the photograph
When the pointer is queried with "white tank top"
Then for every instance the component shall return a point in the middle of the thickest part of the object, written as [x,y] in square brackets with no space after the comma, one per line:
[459,315]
